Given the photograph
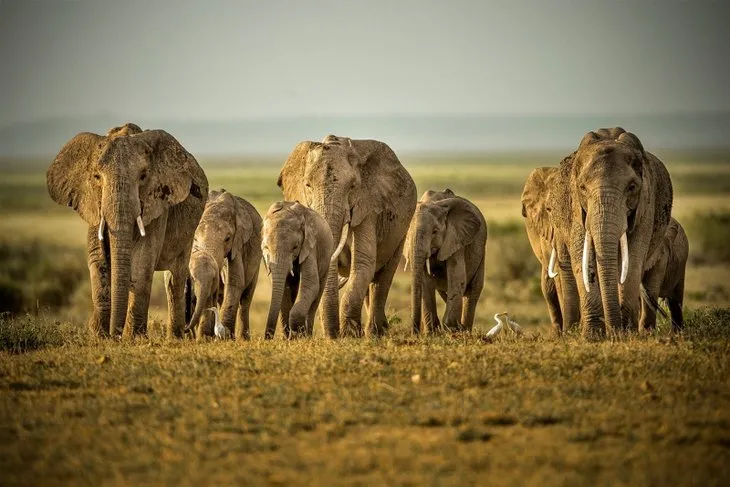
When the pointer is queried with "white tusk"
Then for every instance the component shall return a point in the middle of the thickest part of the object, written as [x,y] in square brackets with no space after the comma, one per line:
[587,246]
[551,265]
[291,269]
[140,225]
[342,282]
[266,263]
[428,266]
[624,257]
[341,244]
[101,228]
[405,267]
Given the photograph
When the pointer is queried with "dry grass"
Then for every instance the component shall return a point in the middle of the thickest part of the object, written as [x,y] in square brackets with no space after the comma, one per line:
[440,411]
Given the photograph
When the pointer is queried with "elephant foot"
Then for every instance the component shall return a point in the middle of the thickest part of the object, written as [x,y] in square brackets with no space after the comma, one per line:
[351,328]
[98,326]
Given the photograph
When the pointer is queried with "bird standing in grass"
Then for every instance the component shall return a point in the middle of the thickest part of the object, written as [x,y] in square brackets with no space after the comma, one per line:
[498,317]
[221,332]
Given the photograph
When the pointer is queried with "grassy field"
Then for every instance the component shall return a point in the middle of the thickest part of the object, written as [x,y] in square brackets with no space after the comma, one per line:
[532,410]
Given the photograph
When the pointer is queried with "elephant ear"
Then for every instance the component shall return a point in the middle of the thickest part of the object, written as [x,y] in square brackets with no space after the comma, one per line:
[463,222]
[382,178]
[70,178]
[174,174]
[291,177]
[244,227]
[309,230]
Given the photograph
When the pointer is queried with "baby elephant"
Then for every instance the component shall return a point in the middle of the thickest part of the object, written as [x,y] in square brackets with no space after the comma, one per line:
[666,278]
[297,246]
[445,245]
[224,264]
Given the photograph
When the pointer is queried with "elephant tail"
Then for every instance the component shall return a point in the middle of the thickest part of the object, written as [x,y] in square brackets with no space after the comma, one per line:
[654,304]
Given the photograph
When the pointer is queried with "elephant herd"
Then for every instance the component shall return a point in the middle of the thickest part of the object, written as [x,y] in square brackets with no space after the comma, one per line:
[602,218]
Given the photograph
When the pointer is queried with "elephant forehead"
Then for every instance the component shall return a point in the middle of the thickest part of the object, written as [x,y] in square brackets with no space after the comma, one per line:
[121,157]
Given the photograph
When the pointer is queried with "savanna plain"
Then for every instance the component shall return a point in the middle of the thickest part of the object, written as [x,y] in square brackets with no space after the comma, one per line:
[400,410]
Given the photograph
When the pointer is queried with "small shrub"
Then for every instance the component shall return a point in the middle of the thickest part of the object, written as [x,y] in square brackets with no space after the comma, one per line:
[27,333]
[707,234]
[707,323]
[39,275]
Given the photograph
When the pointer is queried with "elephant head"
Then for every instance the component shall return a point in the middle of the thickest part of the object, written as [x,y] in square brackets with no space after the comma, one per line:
[222,232]
[442,224]
[115,181]
[289,236]
[608,184]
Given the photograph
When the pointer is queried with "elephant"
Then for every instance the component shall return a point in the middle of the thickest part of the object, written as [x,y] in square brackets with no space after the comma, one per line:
[112,181]
[620,199]
[367,198]
[541,235]
[666,278]
[297,246]
[446,245]
[226,257]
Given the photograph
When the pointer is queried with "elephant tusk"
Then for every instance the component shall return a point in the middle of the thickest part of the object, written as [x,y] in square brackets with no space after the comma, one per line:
[428,266]
[342,282]
[140,225]
[405,267]
[341,244]
[291,269]
[551,265]
[266,264]
[101,228]
[624,257]
[587,246]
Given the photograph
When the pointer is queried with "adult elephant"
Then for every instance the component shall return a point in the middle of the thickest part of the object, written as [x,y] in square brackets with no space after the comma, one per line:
[142,195]
[541,234]
[367,198]
[621,202]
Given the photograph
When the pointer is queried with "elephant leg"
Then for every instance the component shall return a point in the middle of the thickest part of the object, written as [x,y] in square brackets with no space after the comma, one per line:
[145,254]
[550,293]
[472,298]
[456,278]
[379,288]
[429,315]
[232,294]
[287,302]
[652,283]
[568,295]
[362,273]
[175,287]
[308,293]
[675,306]
[243,328]
[312,314]
[100,278]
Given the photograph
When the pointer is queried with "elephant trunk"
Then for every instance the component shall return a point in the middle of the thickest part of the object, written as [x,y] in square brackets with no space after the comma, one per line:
[419,257]
[202,290]
[120,245]
[279,270]
[331,297]
[605,225]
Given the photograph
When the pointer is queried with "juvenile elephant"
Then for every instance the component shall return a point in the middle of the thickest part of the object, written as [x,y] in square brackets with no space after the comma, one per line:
[297,247]
[112,181]
[621,198]
[367,198]
[446,246]
[540,233]
[227,253]
[666,277]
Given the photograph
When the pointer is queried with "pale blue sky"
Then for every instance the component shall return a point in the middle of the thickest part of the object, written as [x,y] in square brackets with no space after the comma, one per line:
[226,60]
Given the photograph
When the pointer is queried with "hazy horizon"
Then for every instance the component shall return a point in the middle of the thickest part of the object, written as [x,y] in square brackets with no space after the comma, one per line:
[80,64]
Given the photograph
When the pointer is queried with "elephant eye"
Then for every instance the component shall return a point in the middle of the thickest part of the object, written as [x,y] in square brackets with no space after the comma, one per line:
[228,238]
[143,176]
[308,186]
[583,187]
[632,187]
[97,176]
